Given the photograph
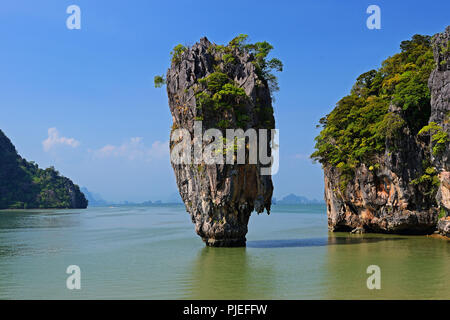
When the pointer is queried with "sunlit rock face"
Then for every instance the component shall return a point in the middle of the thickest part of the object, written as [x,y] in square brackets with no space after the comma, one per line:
[386,200]
[219,197]
[382,202]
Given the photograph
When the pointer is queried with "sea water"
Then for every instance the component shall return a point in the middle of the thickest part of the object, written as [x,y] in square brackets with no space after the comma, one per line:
[153,253]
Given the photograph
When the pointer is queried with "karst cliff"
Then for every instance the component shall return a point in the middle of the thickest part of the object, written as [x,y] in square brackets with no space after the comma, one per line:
[385,147]
[221,87]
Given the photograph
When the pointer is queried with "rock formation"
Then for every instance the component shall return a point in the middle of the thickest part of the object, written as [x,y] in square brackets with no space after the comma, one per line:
[394,191]
[439,84]
[223,87]
[23,185]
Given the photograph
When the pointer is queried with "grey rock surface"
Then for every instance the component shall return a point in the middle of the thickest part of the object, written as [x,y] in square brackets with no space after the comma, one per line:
[439,84]
[443,227]
[219,197]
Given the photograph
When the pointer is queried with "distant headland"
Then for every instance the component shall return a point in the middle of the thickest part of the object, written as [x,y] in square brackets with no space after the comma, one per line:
[23,185]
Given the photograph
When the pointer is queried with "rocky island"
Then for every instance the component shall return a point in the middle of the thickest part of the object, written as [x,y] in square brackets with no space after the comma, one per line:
[385,147]
[23,185]
[222,87]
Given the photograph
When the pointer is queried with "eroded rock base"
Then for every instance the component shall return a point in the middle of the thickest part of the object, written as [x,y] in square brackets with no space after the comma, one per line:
[225,242]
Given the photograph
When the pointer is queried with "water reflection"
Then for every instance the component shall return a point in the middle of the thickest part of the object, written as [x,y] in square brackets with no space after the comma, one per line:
[411,268]
[316,242]
[230,273]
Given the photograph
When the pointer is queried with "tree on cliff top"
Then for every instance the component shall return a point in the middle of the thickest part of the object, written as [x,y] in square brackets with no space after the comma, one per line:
[260,51]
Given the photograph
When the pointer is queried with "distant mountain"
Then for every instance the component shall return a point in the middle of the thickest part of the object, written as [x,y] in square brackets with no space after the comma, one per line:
[174,198]
[23,185]
[294,199]
[142,204]
[95,200]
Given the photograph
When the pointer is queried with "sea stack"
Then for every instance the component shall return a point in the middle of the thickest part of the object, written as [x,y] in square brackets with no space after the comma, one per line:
[220,87]
[385,147]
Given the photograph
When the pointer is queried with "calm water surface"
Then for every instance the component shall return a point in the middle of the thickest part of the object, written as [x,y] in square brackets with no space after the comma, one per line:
[153,253]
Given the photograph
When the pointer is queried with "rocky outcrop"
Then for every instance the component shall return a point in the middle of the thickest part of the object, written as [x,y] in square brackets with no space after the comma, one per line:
[381,201]
[385,198]
[439,84]
[443,226]
[219,197]
[23,185]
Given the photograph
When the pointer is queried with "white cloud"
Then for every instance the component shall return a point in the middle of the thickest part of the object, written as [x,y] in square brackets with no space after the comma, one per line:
[55,139]
[134,149]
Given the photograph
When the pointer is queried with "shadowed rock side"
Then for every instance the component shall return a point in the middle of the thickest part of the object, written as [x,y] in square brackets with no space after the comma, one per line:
[219,197]
[386,197]
[439,84]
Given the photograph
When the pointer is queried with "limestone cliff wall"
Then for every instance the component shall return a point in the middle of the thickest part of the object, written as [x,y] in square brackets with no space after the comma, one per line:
[439,84]
[383,199]
[219,197]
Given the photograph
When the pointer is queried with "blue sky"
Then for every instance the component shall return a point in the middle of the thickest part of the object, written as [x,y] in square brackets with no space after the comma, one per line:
[89,93]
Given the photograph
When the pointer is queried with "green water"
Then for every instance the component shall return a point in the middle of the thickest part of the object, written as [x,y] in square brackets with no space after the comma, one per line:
[153,253]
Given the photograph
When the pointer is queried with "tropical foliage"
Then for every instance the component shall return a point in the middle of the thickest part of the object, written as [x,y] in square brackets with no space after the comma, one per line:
[260,50]
[439,137]
[159,81]
[356,130]
[24,185]
[176,53]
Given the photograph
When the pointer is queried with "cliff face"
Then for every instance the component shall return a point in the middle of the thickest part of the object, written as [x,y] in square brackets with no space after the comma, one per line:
[406,187]
[384,199]
[439,84]
[24,186]
[381,201]
[219,86]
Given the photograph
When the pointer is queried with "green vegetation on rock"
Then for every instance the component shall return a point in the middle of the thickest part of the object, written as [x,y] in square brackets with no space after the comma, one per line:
[221,91]
[438,136]
[356,131]
[260,50]
[444,52]
[176,53]
[442,213]
[428,182]
[217,95]
[23,185]
[159,81]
